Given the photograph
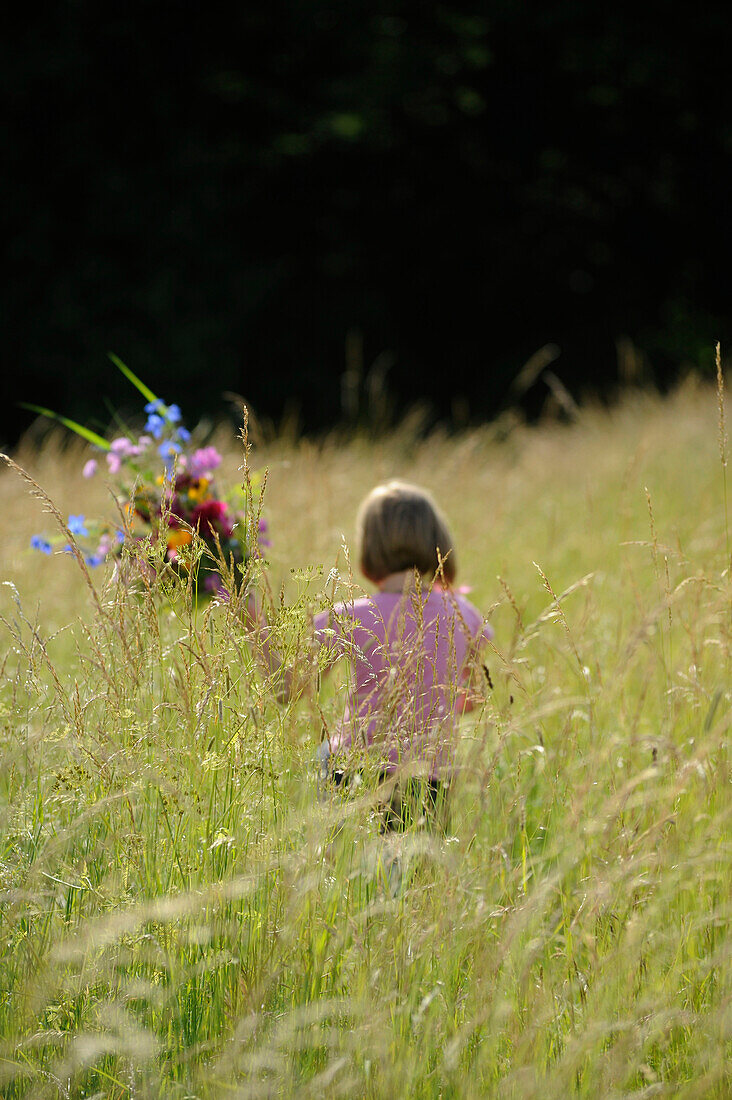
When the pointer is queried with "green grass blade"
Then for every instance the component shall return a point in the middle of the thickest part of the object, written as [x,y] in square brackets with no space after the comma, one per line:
[72,425]
[132,377]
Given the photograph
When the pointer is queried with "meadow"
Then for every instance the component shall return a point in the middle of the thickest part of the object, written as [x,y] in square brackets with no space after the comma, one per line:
[180,915]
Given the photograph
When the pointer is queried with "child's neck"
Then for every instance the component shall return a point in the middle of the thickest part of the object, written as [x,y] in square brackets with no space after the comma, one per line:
[404,582]
[398,582]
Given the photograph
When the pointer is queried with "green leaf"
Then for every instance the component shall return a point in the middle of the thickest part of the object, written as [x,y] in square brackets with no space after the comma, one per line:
[132,377]
[72,425]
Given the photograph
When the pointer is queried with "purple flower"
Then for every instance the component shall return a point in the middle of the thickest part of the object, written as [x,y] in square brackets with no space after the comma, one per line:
[120,449]
[90,468]
[123,446]
[39,543]
[263,527]
[105,545]
[77,526]
[215,587]
[204,461]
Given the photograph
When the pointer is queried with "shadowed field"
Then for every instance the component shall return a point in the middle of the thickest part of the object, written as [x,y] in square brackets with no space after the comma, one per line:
[182,917]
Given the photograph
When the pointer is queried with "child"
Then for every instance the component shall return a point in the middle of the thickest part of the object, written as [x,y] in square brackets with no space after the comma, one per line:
[412,646]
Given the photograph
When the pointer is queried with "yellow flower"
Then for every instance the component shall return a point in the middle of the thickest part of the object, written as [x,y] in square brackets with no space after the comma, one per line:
[197,489]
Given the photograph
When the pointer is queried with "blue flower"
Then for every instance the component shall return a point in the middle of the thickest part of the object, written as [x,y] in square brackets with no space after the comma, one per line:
[155,406]
[120,536]
[173,414]
[168,450]
[76,526]
[155,425]
[94,560]
[39,543]
[183,435]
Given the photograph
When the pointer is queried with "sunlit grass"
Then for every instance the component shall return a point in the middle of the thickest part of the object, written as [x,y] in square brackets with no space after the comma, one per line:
[182,917]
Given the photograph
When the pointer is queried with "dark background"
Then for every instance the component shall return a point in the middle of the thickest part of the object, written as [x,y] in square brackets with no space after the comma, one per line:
[259,199]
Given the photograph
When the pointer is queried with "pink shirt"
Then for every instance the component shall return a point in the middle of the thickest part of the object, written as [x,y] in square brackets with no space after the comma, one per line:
[409,659]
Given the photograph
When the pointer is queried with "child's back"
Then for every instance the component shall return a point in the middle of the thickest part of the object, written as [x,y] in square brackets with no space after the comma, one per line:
[410,655]
[411,647]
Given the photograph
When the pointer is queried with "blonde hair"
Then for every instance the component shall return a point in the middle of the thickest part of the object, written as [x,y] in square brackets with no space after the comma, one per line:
[400,527]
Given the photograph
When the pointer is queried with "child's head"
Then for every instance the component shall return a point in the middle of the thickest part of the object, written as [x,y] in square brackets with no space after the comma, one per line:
[400,528]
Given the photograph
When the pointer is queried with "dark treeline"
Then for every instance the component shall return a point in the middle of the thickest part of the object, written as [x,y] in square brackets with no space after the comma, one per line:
[258,199]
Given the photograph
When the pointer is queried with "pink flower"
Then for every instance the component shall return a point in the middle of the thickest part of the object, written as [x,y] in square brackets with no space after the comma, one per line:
[215,587]
[204,461]
[123,446]
[210,516]
[119,449]
[90,468]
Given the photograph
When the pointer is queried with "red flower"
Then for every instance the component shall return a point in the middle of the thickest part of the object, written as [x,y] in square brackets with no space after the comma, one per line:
[212,516]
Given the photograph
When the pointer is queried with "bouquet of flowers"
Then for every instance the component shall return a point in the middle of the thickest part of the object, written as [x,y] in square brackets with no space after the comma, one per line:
[169,502]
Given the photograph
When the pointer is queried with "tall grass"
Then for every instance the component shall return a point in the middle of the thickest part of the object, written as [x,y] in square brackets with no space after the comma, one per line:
[182,917]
